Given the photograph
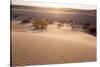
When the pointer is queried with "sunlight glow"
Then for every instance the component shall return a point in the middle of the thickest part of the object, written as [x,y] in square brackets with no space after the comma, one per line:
[77,4]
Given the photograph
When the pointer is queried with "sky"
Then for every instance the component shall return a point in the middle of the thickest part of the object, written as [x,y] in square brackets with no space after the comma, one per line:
[77,4]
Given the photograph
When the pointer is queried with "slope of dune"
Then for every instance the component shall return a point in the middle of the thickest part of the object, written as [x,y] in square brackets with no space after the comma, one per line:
[51,46]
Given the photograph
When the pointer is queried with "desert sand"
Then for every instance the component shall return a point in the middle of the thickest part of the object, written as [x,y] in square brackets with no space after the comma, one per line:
[52,46]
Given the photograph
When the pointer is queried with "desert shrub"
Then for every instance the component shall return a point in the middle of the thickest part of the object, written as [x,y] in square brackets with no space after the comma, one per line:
[33,16]
[44,25]
[92,30]
[25,21]
[86,25]
[72,24]
[50,22]
[61,21]
[40,24]
[15,16]
[36,24]
[71,21]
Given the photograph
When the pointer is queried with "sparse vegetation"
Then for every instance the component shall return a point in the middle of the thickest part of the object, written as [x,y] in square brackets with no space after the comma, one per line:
[86,25]
[25,21]
[71,22]
[75,21]
[40,24]
[15,16]
[50,22]
[92,30]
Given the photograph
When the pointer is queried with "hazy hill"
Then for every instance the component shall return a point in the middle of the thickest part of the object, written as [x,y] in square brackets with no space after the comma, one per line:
[53,9]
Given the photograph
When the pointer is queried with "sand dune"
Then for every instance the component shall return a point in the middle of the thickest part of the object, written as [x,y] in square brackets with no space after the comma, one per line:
[52,46]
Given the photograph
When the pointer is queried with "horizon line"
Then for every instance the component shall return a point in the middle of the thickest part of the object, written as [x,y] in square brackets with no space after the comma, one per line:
[54,5]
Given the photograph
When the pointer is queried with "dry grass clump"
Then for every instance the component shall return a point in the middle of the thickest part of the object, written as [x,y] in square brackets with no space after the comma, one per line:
[40,24]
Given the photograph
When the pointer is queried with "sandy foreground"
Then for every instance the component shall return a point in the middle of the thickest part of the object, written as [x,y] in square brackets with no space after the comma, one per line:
[51,47]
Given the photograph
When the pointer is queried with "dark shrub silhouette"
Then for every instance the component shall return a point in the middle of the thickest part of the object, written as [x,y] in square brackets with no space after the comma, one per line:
[61,21]
[15,16]
[25,21]
[71,21]
[86,25]
[92,30]
[50,22]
